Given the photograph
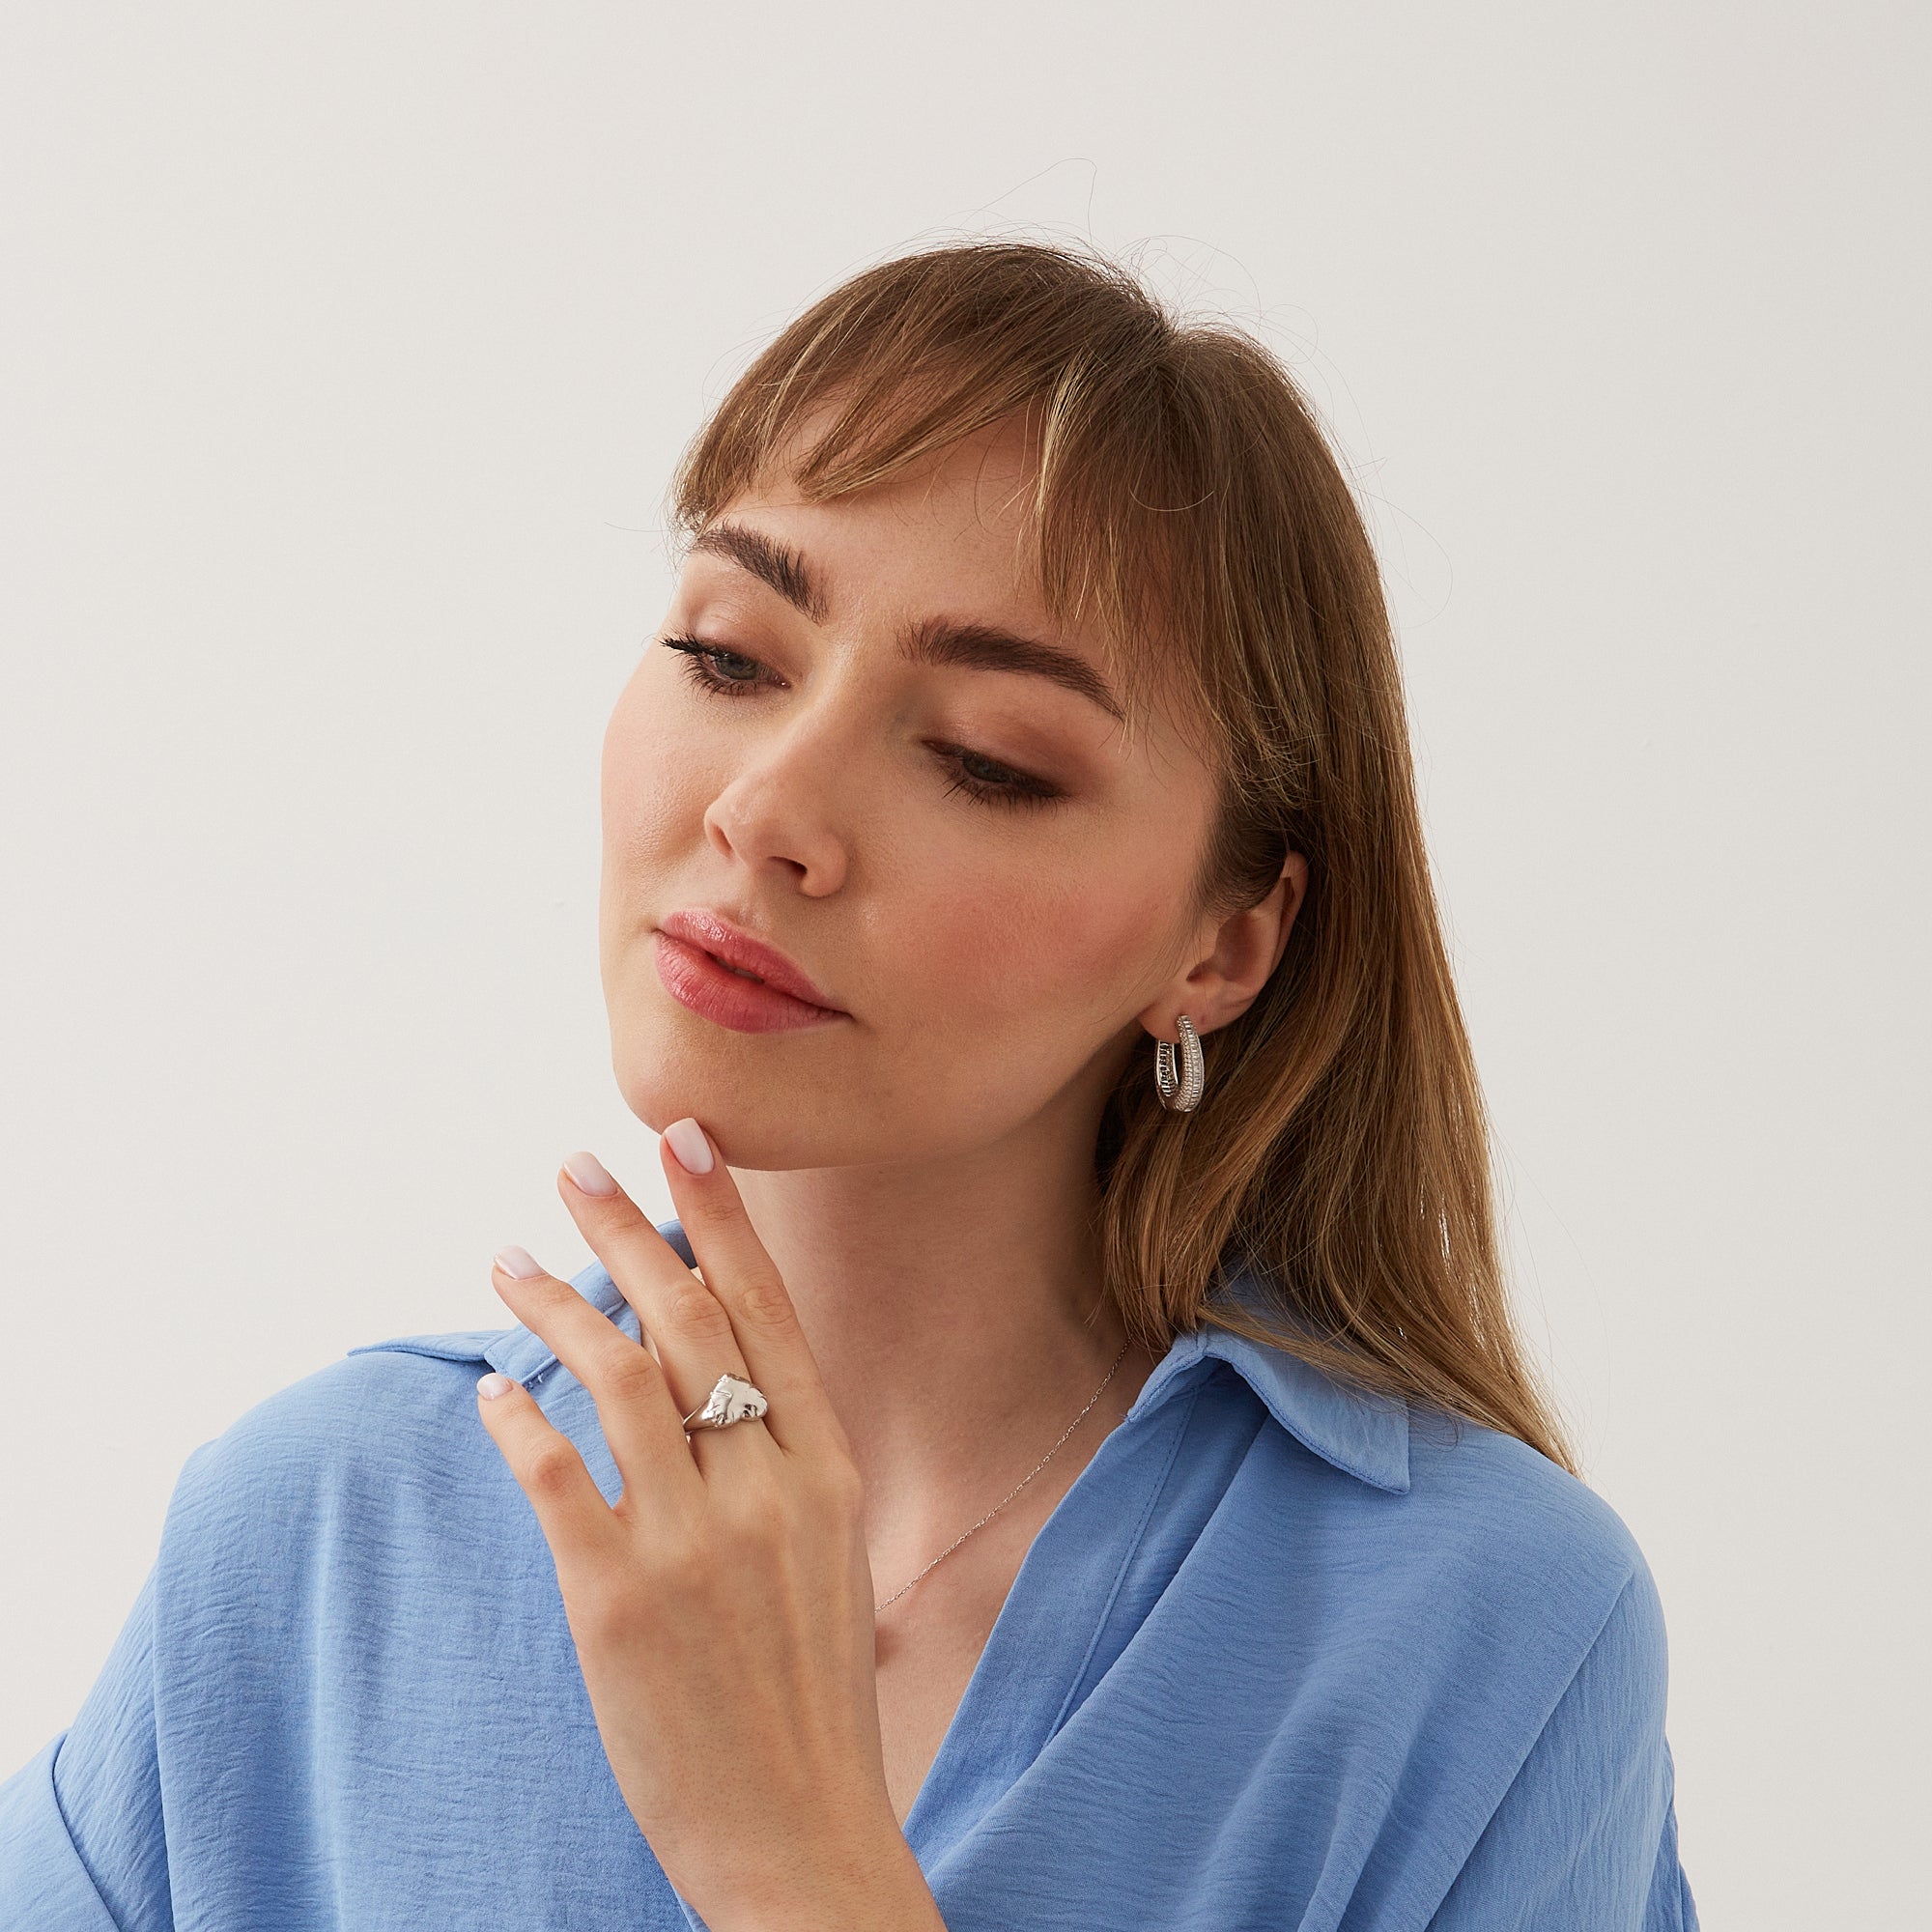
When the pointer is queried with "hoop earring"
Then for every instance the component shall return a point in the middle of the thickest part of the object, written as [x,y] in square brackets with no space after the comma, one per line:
[1183,1095]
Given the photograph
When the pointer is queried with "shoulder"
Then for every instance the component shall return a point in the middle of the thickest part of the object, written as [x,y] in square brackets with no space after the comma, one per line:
[1461,1549]
[380,1460]
[1494,1492]
[1539,1552]
[382,1429]
[1442,1502]
[1424,1502]
[383,1446]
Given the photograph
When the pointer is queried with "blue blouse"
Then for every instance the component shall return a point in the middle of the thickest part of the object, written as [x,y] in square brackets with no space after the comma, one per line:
[1283,1656]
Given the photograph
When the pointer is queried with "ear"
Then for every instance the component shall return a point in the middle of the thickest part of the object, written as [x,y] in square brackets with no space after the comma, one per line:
[1234,961]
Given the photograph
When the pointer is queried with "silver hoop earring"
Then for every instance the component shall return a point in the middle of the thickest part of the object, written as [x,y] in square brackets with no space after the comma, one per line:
[1183,1095]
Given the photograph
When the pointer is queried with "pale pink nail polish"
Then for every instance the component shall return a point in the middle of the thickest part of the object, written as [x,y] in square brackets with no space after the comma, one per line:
[686,1141]
[519,1263]
[589,1173]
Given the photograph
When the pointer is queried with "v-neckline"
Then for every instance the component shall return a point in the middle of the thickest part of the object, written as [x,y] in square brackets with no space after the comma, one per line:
[966,1743]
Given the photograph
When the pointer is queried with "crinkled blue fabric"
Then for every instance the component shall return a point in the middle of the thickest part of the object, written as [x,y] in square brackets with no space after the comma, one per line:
[1283,1656]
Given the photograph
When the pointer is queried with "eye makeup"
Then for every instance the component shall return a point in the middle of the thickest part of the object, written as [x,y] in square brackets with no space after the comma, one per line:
[980,778]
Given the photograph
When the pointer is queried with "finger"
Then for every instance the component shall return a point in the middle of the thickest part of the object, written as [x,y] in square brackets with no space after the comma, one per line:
[570,1509]
[746,1281]
[696,1342]
[641,1426]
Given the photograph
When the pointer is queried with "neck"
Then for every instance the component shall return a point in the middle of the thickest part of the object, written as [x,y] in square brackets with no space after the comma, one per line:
[955,1309]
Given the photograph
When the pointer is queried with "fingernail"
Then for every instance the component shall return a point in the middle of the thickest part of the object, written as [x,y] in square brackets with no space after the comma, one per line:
[589,1173]
[490,1387]
[686,1141]
[519,1263]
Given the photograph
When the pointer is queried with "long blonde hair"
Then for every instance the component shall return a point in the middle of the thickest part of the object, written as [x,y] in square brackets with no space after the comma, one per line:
[1188,499]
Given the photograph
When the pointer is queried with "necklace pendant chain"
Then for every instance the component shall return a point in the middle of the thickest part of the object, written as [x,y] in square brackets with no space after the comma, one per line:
[1016,1487]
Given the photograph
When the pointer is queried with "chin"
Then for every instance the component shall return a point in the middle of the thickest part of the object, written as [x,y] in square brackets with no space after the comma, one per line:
[758,1116]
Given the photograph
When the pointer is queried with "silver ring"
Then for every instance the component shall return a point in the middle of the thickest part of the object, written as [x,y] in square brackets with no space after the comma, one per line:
[733,1398]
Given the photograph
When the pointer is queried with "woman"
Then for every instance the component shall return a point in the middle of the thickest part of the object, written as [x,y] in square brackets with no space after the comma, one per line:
[1068,1463]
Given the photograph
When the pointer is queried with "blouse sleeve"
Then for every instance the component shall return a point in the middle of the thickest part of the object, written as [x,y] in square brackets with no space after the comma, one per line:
[1585,1837]
[81,1842]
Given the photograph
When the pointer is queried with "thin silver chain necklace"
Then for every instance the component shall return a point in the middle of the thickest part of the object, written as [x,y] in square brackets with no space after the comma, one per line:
[1017,1487]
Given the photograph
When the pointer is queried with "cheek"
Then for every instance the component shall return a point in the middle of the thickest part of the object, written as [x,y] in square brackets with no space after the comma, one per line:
[1066,945]
[1013,984]
[643,786]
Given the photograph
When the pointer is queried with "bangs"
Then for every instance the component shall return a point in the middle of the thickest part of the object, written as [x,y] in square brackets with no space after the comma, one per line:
[1121,526]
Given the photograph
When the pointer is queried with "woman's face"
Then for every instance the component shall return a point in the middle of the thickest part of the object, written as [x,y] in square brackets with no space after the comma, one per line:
[959,852]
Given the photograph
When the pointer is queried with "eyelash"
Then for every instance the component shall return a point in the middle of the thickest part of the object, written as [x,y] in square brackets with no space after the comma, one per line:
[700,666]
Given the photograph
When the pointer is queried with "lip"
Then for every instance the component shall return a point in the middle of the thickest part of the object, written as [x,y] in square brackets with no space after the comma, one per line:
[695,951]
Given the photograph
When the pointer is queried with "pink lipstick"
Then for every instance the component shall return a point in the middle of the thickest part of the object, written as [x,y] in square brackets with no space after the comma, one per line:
[724,974]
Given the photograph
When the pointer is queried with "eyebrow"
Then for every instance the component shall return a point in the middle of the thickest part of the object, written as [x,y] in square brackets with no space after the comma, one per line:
[771,562]
[926,640]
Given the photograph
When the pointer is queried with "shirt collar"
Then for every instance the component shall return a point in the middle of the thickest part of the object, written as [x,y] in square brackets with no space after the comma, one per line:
[1363,1434]
[1358,1431]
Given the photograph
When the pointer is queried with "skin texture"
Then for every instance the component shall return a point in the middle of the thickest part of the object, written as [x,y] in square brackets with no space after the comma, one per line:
[895,1235]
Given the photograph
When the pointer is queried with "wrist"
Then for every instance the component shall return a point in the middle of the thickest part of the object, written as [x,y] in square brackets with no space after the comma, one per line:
[881,1889]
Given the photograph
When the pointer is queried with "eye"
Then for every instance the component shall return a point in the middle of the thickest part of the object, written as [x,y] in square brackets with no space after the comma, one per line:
[1005,785]
[732,674]
[704,664]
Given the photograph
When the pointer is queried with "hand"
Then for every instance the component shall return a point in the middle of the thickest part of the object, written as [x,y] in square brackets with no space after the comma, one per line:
[721,1607]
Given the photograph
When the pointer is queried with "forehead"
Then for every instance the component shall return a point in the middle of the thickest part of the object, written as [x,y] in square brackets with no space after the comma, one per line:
[954,524]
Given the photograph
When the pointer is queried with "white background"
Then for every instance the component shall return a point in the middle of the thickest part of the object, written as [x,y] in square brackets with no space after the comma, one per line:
[346,353]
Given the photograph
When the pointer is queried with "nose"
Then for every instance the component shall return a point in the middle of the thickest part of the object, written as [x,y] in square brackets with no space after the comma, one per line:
[787,805]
